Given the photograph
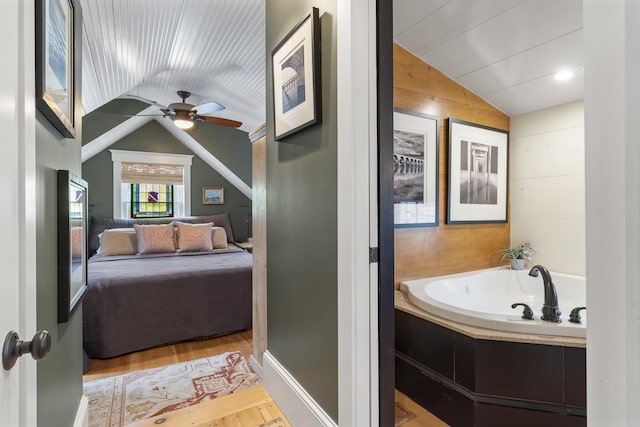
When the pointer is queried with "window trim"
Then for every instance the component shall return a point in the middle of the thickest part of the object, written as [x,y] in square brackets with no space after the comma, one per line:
[119,156]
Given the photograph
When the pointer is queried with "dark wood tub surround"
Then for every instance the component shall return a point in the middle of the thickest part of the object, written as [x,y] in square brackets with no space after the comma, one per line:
[474,382]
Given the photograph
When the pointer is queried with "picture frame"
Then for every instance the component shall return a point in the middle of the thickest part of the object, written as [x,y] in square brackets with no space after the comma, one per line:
[213,195]
[297,102]
[55,59]
[72,243]
[478,173]
[416,164]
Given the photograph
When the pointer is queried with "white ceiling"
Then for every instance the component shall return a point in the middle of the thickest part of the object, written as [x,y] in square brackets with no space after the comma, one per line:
[506,51]
[151,48]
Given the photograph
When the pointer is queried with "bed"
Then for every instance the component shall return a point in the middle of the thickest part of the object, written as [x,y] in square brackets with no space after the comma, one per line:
[135,302]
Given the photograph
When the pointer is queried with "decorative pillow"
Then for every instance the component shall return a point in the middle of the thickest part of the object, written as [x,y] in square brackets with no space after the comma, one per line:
[219,237]
[155,239]
[118,241]
[194,237]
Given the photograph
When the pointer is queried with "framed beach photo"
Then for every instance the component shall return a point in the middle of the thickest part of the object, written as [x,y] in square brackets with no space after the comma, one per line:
[416,160]
[296,78]
[55,74]
[478,173]
[72,243]
[213,195]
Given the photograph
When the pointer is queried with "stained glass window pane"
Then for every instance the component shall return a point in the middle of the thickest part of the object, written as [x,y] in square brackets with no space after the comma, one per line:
[151,201]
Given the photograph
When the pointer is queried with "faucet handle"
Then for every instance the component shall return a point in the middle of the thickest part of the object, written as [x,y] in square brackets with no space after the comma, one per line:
[574,317]
[527,313]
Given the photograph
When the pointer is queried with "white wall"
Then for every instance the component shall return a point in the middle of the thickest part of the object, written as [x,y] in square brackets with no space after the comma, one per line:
[547,185]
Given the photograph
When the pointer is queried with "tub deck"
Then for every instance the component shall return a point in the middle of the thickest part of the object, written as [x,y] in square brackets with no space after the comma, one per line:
[402,303]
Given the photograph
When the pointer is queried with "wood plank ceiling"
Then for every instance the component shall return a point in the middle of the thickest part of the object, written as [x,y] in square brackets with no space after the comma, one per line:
[506,51]
[151,48]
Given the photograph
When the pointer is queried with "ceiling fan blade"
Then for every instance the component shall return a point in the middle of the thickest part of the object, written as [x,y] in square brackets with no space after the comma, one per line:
[209,107]
[220,121]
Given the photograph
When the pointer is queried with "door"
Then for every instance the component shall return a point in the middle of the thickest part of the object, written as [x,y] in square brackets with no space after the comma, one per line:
[17,215]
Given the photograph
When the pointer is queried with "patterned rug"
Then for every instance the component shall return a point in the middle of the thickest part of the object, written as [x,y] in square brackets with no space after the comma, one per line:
[124,399]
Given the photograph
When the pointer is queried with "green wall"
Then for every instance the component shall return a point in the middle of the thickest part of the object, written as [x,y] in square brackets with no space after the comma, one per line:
[230,146]
[302,223]
[60,373]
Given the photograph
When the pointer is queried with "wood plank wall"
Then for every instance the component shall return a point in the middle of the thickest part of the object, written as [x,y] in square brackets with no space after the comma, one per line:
[446,249]
[259,233]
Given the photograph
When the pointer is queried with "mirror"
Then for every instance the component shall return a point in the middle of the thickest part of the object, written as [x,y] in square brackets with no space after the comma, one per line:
[72,243]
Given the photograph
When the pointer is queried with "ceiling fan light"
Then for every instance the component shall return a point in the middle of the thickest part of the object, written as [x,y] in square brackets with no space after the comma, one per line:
[184,124]
[183,120]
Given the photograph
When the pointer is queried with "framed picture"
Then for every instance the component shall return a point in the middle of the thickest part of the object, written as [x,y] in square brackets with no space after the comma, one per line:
[212,195]
[478,173]
[416,161]
[72,243]
[55,36]
[296,78]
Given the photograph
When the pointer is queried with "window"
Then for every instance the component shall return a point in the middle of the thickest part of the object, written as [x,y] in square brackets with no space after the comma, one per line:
[151,201]
[151,185]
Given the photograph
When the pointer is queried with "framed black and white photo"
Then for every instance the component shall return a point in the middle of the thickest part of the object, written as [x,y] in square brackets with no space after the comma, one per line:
[72,243]
[296,78]
[55,37]
[416,154]
[478,173]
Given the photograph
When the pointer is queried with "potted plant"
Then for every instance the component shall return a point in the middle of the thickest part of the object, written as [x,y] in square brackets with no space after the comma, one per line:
[518,255]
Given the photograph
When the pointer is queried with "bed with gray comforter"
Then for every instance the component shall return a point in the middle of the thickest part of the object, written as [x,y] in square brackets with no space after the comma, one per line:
[141,301]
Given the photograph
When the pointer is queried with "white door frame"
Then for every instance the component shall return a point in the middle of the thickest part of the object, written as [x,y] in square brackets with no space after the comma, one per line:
[612,106]
[357,190]
[18,387]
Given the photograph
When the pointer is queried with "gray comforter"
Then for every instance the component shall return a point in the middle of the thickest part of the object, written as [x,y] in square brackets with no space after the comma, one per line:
[138,302]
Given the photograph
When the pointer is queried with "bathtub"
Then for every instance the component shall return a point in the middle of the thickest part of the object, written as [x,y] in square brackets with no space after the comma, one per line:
[483,298]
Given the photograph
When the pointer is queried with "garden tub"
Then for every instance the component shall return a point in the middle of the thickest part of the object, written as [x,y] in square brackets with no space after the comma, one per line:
[483,299]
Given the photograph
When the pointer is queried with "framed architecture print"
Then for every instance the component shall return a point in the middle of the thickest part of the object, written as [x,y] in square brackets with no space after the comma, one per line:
[213,195]
[478,173]
[55,74]
[416,159]
[72,243]
[296,78]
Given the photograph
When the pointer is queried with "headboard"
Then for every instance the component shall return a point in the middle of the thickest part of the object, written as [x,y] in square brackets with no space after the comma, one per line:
[98,224]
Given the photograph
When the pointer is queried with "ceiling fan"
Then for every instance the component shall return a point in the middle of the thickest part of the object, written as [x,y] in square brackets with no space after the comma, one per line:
[184,115]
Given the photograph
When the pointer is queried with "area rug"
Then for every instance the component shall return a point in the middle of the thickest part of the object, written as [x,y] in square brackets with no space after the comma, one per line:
[125,399]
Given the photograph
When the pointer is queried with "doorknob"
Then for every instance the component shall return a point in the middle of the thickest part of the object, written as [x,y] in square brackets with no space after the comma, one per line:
[14,348]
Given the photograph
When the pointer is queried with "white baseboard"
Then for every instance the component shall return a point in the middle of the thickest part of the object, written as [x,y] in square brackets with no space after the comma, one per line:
[82,416]
[257,367]
[293,400]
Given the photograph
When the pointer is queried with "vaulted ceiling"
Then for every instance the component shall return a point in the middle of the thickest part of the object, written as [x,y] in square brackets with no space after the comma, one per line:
[151,48]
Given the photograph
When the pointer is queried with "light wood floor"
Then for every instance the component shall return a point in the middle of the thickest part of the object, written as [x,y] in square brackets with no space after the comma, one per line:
[253,407]
[168,354]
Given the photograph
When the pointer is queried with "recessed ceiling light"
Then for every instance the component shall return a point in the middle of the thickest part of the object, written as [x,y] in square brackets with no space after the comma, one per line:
[563,75]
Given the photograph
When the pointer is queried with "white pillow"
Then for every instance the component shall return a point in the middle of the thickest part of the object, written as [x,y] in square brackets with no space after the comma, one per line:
[118,241]
[219,237]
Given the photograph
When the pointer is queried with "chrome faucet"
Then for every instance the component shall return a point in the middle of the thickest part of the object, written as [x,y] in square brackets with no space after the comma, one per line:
[550,310]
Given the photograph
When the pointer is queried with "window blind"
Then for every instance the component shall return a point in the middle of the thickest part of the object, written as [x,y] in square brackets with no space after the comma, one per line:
[133,173]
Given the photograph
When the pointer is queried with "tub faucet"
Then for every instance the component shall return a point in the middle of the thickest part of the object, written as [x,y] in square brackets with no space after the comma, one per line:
[550,310]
